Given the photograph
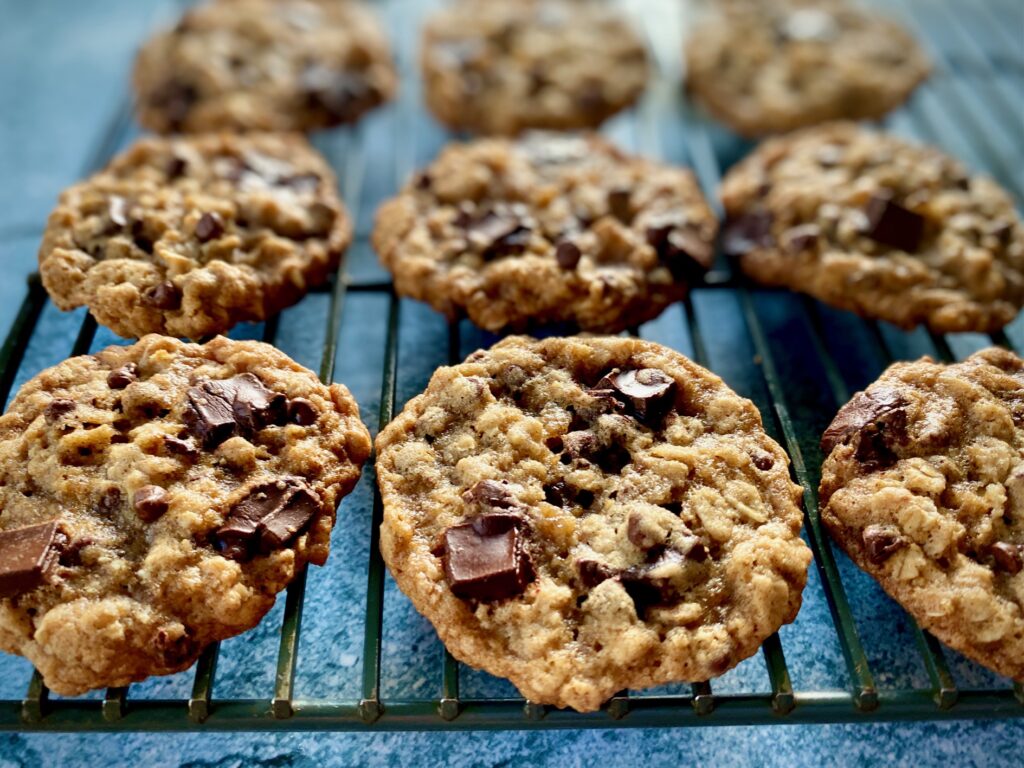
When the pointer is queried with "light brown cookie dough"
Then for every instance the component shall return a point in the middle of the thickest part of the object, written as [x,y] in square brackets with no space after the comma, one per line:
[503,66]
[877,225]
[155,498]
[582,515]
[775,65]
[546,229]
[264,65]
[923,488]
[189,236]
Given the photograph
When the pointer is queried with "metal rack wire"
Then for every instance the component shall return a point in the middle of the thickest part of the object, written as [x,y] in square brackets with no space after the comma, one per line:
[971,106]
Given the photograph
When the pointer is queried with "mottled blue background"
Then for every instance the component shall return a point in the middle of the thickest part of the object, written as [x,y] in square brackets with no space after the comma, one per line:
[63,70]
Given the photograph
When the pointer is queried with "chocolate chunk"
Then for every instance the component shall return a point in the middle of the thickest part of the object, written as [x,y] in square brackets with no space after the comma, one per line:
[648,392]
[302,412]
[255,406]
[490,494]
[239,405]
[568,254]
[268,518]
[422,180]
[593,572]
[580,444]
[636,534]
[487,562]
[57,409]
[123,376]
[210,417]
[1008,557]
[341,95]
[801,238]
[175,99]
[557,493]
[209,227]
[140,237]
[165,295]
[747,232]
[880,542]
[176,167]
[117,209]
[109,503]
[180,447]
[763,461]
[501,234]
[591,98]
[879,417]
[891,224]
[647,584]
[150,502]
[619,204]
[28,556]
[679,246]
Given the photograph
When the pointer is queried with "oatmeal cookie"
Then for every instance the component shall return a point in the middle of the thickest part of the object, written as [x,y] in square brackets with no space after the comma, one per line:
[188,236]
[155,498]
[583,515]
[264,65]
[502,66]
[546,229]
[881,226]
[923,488]
[775,65]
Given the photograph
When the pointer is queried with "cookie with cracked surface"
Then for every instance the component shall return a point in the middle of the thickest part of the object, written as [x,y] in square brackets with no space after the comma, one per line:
[264,65]
[769,67]
[923,488]
[504,66]
[582,515]
[546,229]
[155,498]
[188,236]
[877,225]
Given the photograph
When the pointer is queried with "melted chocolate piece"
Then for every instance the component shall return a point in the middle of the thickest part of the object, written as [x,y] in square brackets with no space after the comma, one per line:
[165,295]
[567,254]
[28,556]
[891,224]
[209,227]
[150,502]
[57,409]
[619,204]
[177,167]
[747,232]
[487,560]
[679,247]
[636,534]
[268,518]
[881,542]
[239,405]
[503,235]
[175,99]
[181,447]
[647,392]
[123,376]
[580,444]
[593,572]
[646,586]
[879,417]
[302,412]
[490,494]
[1007,557]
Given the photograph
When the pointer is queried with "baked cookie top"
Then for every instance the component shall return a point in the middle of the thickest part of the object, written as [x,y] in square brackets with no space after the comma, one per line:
[188,236]
[155,498]
[264,65]
[877,225]
[924,489]
[582,515]
[503,66]
[547,228]
[768,67]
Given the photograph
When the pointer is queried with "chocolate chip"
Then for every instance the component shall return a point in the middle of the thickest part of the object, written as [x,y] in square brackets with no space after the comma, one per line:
[593,572]
[1008,557]
[175,99]
[619,204]
[209,416]
[747,232]
[220,409]
[648,392]
[422,180]
[490,494]
[139,236]
[880,542]
[763,461]
[878,416]
[568,254]
[117,209]
[557,493]
[268,518]
[679,247]
[28,556]
[209,227]
[255,406]
[57,409]
[591,98]
[646,586]
[165,295]
[486,566]
[891,224]
[580,444]
[121,377]
[302,412]
[500,234]
[109,503]
[636,534]
[180,447]
[801,238]
[176,167]
[150,502]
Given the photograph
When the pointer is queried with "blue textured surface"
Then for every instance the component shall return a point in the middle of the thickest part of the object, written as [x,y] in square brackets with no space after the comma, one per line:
[62,70]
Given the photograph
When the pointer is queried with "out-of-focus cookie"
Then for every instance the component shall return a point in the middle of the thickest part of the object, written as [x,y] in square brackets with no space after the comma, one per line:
[502,66]
[546,229]
[923,488]
[878,225]
[188,236]
[584,515]
[775,65]
[155,498]
[264,65]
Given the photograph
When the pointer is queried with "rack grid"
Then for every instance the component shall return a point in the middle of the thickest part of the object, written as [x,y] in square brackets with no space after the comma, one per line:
[971,106]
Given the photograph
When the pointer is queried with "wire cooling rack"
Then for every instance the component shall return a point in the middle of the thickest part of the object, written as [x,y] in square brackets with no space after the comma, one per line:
[797,359]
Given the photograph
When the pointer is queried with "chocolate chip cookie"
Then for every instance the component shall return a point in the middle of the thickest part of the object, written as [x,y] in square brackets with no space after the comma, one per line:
[264,65]
[545,229]
[188,236]
[767,67]
[923,488]
[155,498]
[877,225]
[582,515]
[502,66]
